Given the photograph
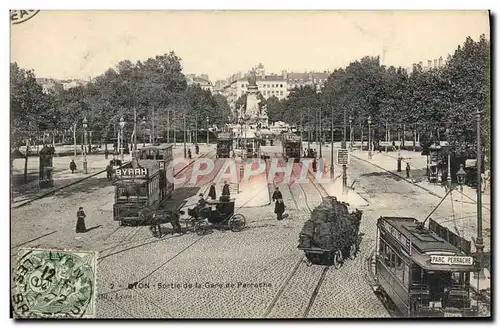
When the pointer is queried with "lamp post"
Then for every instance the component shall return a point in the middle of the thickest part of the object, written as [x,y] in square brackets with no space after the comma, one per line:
[143,132]
[85,145]
[208,132]
[122,125]
[350,132]
[185,150]
[461,174]
[320,136]
[448,177]
[479,239]
[399,151]
[344,167]
[74,138]
[332,172]
[369,137]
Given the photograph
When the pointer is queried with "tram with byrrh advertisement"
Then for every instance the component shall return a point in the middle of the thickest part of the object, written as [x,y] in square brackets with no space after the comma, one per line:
[425,272]
[141,187]
[224,145]
[291,146]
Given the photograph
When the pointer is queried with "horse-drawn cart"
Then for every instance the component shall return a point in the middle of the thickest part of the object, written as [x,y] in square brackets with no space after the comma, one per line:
[218,215]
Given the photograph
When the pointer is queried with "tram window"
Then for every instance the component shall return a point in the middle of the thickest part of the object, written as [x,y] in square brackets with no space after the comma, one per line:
[406,274]
[132,192]
[387,257]
[456,278]
[399,267]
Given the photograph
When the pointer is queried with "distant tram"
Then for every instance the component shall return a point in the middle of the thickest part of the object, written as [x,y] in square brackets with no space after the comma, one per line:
[143,185]
[224,145]
[425,272]
[291,146]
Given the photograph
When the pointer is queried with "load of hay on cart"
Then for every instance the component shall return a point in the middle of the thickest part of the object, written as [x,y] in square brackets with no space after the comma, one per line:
[331,234]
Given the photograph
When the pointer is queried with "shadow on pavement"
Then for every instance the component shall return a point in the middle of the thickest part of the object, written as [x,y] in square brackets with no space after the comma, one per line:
[93,228]
[89,186]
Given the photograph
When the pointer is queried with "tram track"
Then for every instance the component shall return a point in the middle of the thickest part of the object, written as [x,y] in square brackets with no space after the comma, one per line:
[298,264]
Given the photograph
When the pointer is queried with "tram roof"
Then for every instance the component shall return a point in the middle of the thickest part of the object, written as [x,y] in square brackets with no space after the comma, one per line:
[162,146]
[424,240]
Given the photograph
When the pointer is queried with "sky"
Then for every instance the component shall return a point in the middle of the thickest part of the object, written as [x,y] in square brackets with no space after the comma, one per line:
[83,44]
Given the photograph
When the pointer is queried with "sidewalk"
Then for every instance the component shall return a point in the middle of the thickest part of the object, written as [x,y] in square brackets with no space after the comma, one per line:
[63,177]
[418,164]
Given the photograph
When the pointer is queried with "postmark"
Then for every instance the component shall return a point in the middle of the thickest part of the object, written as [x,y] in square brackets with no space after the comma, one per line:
[22,15]
[54,284]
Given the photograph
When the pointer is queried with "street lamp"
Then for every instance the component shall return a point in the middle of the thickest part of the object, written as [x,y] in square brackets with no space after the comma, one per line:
[461,174]
[122,125]
[85,145]
[350,132]
[369,137]
[208,132]
[344,167]
[448,178]
[479,239]
[143,132]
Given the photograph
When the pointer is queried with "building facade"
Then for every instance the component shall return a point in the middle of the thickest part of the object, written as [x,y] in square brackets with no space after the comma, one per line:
[269,85]
[313,79]
[50,85]
[201,80]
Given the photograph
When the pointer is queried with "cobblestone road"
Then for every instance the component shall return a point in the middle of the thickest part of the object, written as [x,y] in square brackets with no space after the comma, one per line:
[223,274]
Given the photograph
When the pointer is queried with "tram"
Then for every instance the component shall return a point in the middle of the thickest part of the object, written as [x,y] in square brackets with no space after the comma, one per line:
[424,271]
[142,185]
[291,146]
[224,145]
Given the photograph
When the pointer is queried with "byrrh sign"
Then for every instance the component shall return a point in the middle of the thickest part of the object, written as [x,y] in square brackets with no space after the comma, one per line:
[452,260]
[138,173]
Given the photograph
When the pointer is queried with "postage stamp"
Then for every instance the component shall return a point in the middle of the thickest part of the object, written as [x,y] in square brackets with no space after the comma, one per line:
[54,284]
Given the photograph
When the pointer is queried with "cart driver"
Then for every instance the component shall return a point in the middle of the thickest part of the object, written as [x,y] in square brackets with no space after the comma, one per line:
[202,208]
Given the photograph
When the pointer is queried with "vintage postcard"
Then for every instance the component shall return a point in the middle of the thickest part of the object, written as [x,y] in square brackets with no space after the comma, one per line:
[250,164]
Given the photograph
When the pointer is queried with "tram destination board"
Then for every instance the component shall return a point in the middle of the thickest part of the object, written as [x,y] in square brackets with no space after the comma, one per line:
[343,157]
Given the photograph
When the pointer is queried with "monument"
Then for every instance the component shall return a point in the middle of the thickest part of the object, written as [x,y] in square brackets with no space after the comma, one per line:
[255,113]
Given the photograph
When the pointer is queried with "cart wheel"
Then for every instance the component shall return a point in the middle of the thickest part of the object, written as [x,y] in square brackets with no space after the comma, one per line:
[353,252]
[337,259]
[201,228]
[237,223]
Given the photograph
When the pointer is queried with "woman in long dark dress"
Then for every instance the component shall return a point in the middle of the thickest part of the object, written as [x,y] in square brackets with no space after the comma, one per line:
[279,209]
[212,192]
[80,222]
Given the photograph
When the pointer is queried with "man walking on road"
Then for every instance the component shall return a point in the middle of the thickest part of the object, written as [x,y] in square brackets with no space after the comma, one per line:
[72,166]
[109,172]
[407,170]
[225,190]
[277,194]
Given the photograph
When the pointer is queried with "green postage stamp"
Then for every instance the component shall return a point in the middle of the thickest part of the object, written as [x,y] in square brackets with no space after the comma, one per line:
[54,284]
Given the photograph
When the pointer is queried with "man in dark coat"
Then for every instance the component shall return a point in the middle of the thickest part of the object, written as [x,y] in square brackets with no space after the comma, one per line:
[211,192]
[197,149]
[279,209]
[315,165]
[189,153]
[407,170]
[72,166]
[277,194]
[80,222]
[225,190]
[109,172]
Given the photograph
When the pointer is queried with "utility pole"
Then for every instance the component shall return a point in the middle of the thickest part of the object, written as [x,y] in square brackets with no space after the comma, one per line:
[135,130]
[185,150]
[153,127]
[344,167]
[308,131]
[332,172]
[479,239]
[320,136]
[168,125]
[74,137]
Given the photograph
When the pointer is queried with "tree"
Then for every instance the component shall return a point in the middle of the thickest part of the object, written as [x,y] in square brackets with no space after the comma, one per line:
[275,109]
[31,111]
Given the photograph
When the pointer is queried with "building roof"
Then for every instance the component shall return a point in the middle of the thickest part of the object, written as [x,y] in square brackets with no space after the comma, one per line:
[266,78]
[308,76]
[423,240]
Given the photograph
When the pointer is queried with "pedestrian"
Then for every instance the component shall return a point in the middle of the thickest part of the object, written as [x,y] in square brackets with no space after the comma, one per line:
[72,166]
[315,165]
[189,153]
[211,192]
[277,194]
[407,170]
[225,190]
[197,149]
[109,172]
[80,221]
[279,209]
